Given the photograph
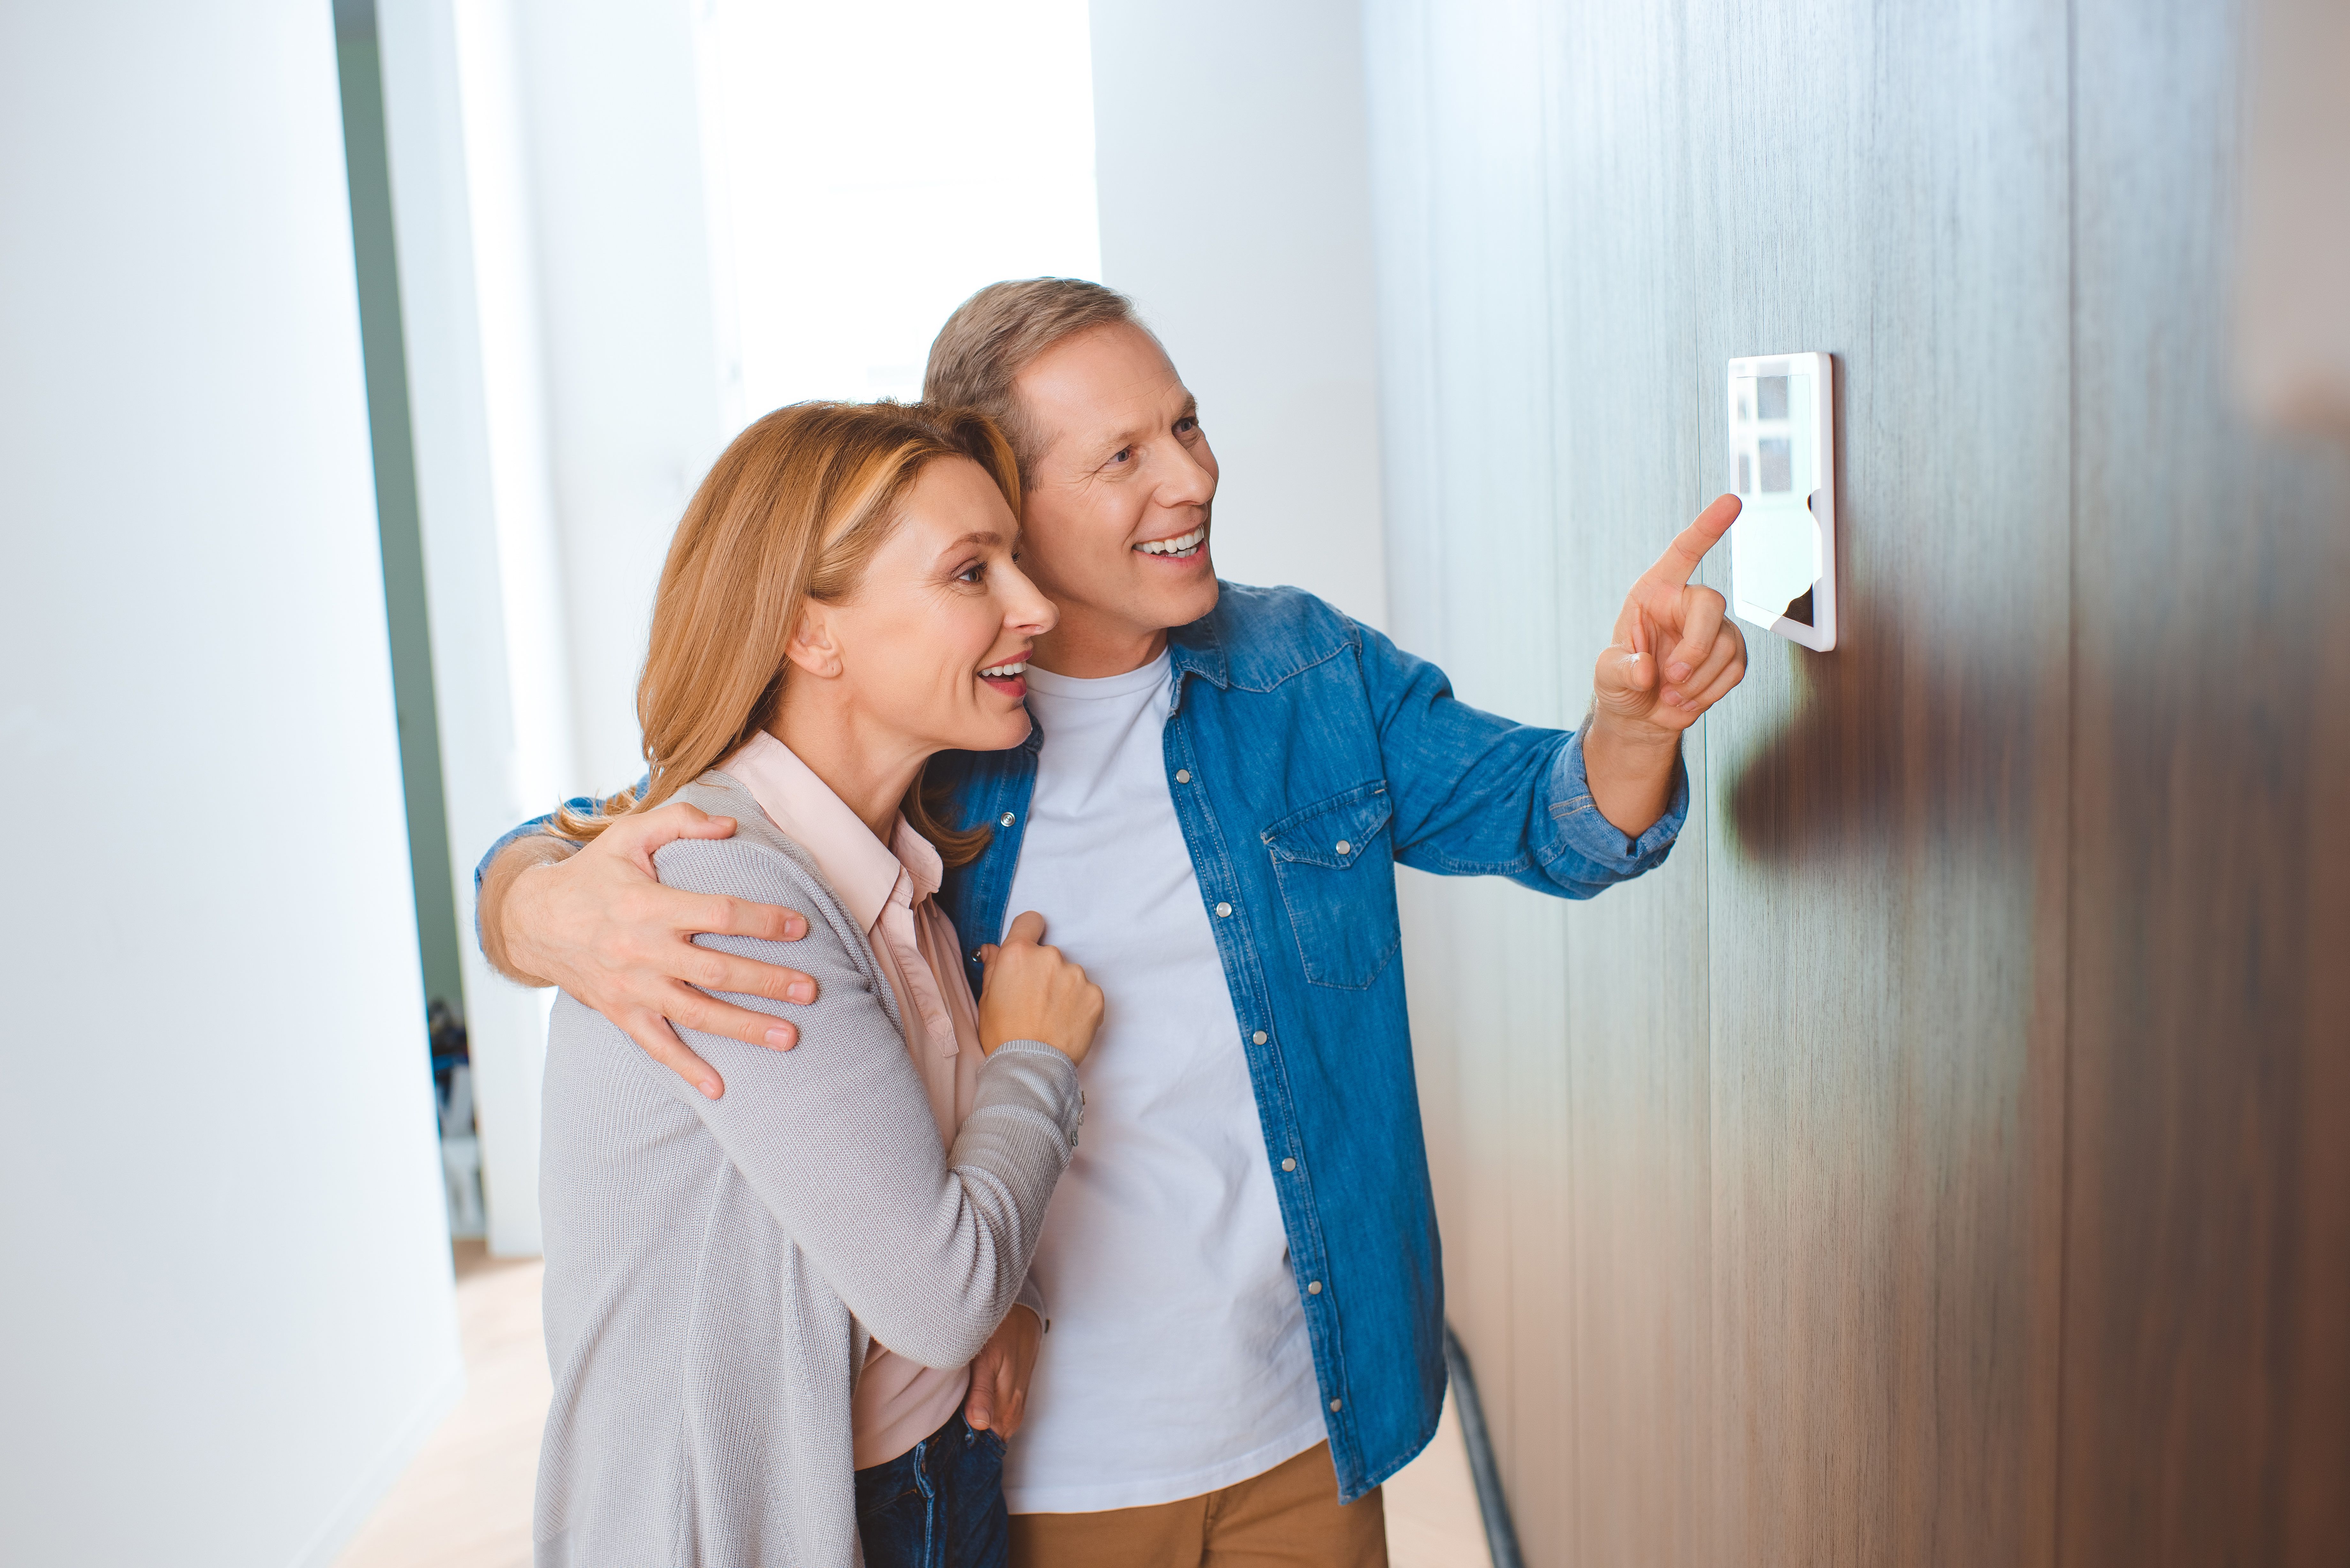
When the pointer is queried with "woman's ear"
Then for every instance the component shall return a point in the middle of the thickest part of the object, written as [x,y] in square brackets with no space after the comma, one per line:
[811,645]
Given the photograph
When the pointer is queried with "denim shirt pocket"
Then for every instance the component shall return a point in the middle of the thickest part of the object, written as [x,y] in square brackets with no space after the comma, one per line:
[1336,868]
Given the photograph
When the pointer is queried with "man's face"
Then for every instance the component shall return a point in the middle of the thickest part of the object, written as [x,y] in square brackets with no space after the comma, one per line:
[1115,525]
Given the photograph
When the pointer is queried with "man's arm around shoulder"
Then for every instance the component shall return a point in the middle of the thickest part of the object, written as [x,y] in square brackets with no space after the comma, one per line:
[596,920]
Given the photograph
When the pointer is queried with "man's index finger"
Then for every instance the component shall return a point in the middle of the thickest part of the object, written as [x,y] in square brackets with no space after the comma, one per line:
[1674,568]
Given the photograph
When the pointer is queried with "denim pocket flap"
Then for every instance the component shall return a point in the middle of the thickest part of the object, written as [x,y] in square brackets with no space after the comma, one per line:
[1334,832]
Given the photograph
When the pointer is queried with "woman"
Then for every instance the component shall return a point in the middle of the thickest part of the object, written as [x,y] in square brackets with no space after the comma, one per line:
[749,1298]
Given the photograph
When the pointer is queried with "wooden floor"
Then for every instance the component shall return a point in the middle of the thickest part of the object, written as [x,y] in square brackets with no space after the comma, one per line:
[465,1501]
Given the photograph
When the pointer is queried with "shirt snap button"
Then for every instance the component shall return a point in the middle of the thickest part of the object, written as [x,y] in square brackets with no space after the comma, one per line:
[1223,911]
[1314,1287]
[1344,847]
[1259,1036]
[1289,1165]
[1004,821]
[1182,775]
[1335,1405]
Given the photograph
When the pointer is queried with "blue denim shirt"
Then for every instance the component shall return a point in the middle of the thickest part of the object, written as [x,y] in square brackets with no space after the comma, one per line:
[1307,755]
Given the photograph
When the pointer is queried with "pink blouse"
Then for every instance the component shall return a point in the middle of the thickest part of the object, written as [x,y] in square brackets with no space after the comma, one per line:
[888,890]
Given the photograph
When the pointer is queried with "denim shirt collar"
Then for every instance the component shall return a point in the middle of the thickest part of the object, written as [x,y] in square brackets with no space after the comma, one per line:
[1198,650]
[1193,650]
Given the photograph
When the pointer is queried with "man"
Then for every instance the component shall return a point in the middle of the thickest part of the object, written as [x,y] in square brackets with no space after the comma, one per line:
[1242,1265]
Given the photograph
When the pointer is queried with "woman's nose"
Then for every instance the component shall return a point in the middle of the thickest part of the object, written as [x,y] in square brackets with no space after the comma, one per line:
[1030,612]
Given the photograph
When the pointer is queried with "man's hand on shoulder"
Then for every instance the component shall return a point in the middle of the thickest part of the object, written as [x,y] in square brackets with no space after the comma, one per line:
[598,923]
[1676,654]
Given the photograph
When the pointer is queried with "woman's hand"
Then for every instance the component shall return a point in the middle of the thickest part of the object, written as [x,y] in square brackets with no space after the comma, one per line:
[1029,991]
[998,1401]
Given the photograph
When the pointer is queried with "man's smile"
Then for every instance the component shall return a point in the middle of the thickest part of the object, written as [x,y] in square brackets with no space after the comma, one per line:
[1182,547]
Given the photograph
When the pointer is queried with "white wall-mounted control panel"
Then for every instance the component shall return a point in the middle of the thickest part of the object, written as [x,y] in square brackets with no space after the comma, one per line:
[1782,548]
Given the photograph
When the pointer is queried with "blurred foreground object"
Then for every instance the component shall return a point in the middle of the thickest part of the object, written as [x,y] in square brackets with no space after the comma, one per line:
[2292,317]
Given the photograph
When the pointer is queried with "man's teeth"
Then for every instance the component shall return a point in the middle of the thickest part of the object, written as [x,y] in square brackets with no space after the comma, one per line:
[1181,545]
[1004,671]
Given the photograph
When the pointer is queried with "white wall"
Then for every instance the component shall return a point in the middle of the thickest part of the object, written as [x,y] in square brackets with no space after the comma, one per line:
[228,1313]
[1235,210]
[611,115]
[879,165]
[566,377]
[490,573]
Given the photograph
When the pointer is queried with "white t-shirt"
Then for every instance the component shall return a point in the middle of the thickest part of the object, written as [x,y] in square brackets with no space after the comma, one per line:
[1177,1361]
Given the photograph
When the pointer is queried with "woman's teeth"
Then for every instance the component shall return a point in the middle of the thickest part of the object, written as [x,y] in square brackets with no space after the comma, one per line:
[1181,545]
[1003,671]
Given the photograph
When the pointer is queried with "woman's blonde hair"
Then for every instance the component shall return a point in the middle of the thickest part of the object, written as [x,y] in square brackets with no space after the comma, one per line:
[792,511]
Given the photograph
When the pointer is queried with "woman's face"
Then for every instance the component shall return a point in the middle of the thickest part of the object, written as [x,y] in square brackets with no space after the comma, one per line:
[934,646]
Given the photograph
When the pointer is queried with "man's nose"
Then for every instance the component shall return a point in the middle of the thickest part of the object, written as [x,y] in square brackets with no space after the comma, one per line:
[1185,480]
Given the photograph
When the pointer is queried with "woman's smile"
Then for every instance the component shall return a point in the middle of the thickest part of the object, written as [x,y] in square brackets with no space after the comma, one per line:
[1009,677]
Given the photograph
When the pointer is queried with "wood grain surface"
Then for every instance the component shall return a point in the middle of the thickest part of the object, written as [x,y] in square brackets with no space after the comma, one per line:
[1633,1330]
[1887,184]
[2207,1411]
[1494,415]
[1946,1158]
[1527,415]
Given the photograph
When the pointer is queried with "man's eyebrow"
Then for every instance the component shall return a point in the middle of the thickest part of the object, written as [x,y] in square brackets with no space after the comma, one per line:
[1119,441]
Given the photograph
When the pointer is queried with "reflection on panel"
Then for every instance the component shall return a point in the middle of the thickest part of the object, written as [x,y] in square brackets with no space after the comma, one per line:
[1782,468]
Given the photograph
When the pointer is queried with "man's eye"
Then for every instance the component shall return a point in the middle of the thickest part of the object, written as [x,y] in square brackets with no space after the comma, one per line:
[1186,425]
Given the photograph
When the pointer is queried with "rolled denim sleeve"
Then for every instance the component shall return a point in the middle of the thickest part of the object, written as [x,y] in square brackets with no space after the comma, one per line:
[535,824]
[1584,832]
[481,867]
[584,805]
[1480,795]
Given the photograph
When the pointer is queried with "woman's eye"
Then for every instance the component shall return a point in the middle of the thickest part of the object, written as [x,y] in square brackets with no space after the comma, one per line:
[972,573]
[1121,454]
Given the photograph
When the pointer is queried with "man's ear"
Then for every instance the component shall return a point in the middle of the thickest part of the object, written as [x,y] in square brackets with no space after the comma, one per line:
[812,645]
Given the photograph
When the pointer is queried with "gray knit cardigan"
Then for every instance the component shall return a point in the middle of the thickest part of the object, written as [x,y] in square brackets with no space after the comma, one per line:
[715,1268]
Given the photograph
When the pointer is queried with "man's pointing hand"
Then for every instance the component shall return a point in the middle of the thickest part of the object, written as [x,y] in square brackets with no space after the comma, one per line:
[1674,655]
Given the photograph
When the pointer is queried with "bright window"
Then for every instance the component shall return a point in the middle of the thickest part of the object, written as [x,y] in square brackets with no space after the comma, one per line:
[872,165]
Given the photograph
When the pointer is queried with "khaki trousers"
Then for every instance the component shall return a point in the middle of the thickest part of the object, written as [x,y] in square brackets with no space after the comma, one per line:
[1288,1517]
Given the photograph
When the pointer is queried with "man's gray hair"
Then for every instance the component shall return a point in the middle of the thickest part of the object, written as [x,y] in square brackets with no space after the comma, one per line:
[997,333]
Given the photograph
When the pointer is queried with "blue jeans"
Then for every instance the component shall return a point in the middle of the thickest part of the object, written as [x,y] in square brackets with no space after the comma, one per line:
[937,1505]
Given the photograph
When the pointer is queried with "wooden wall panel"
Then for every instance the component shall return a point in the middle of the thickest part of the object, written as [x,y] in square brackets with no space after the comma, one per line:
[1475,543]
[1500,644]
[1888,183]
[1628,1482]
[2207,1410]
[1943,1160]
[1569,1040]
